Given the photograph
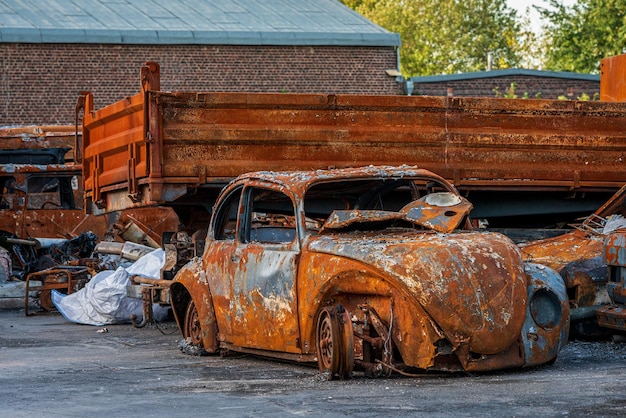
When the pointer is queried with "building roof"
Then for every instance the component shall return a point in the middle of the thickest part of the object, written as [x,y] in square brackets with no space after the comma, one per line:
[230,22]
[504,73]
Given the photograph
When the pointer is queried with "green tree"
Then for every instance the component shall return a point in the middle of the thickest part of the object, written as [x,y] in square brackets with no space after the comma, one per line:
[529,46]
[578,37]
[447,36]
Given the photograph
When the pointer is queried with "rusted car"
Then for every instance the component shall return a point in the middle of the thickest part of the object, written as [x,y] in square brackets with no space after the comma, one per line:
[373,269]
[578,256]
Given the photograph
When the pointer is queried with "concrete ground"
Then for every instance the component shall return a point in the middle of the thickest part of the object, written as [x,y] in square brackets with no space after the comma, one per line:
[54,368]
[12,294]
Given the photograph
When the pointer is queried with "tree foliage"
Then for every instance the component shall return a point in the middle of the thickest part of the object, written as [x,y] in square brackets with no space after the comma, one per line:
[578,37]
[448,36]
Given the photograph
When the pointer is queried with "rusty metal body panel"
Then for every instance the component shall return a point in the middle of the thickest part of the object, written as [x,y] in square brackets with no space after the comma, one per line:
[613,79]
[283,248]
[45,201]
[578,257]
[156,147]
[40,137]
[613,316]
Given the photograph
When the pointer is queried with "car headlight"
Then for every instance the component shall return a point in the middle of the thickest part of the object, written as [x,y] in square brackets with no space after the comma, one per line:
[546,309]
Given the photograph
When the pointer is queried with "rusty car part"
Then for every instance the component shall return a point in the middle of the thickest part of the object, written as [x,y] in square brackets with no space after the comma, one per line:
[285,250]
[335,342]
[66,279]
[375,354]
[127,250]
[181,148]
[578,256]
[131,232]
[145,226]
[150,291]
[612,85]
[44,201]
[180,248]
[613,316]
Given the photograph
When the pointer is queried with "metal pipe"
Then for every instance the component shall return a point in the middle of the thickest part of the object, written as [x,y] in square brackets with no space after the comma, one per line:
[151,281]
[107,247]
[20,241]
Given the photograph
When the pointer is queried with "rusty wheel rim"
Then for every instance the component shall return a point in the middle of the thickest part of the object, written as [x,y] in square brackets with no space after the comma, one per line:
[192,324]
[335,345]
[327,354]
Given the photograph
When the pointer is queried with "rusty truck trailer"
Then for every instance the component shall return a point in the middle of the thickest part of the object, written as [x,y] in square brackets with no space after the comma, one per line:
[180,148]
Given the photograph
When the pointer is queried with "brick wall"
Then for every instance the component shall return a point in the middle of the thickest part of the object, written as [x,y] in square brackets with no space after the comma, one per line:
[548,87]
[40,82]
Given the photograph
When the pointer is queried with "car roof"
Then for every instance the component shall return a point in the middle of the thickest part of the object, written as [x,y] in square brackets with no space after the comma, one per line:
[302,180]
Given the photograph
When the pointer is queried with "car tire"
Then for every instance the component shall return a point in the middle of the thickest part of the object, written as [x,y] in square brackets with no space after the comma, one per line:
[335,343]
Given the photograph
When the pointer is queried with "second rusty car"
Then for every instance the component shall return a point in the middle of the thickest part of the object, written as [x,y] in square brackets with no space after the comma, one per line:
[374,269]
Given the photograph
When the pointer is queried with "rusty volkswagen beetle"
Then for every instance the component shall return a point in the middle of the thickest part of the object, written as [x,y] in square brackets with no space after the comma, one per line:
[374,269]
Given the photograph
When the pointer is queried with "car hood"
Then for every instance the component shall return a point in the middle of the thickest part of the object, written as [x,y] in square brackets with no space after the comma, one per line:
[472,284]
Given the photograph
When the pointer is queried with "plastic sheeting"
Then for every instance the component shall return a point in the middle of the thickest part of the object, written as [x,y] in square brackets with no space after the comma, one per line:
[103,300]
[613,223]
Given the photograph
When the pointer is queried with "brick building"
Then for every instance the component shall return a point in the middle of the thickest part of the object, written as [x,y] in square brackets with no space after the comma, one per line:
[50,51]
[529,83]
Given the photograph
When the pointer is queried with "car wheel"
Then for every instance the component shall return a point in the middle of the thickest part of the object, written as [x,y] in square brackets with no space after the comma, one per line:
[191,328]
[335,343]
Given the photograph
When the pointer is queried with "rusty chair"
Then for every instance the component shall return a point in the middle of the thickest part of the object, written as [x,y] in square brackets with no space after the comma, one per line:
[66,279]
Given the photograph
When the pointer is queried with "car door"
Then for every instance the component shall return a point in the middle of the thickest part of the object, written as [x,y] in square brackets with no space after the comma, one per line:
[265,262]
[218,257]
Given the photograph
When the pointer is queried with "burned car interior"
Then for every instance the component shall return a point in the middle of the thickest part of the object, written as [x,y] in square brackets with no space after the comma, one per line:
[41,192]
[346,205]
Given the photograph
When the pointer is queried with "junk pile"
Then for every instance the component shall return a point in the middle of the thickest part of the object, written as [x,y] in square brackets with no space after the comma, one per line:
[103,300]
[74,265]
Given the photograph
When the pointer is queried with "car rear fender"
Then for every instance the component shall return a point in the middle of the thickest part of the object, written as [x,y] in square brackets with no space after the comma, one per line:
[190,284]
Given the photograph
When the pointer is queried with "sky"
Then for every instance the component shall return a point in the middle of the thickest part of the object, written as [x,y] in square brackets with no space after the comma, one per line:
[521,5]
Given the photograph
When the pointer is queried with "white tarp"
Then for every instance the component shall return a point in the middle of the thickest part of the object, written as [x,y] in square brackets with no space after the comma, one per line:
[103,300]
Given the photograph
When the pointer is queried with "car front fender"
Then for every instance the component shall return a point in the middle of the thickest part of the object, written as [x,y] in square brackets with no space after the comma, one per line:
[546,327]
[190,284]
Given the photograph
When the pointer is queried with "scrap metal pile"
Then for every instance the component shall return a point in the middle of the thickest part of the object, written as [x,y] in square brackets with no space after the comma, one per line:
[45,234]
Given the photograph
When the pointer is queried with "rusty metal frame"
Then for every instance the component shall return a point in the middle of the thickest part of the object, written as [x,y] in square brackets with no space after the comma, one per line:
[74,277]
[152,291]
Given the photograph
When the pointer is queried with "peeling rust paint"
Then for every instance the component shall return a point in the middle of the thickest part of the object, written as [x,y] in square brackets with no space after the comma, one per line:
[613,316]
[578,257]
